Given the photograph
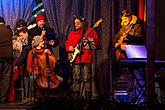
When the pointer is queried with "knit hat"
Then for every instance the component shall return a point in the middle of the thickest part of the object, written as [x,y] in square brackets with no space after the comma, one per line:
[36,40]
[21,23]
[39,17]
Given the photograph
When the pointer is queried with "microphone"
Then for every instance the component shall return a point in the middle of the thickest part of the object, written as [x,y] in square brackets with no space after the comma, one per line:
[43,28]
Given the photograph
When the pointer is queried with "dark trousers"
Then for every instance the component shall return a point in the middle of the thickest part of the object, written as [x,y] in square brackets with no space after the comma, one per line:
[5,73]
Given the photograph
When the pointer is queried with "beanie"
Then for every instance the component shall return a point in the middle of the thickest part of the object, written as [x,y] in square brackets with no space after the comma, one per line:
[36,40]
[39,17]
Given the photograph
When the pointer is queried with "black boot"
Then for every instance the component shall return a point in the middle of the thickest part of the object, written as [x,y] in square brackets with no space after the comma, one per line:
[88,95]
[76,95]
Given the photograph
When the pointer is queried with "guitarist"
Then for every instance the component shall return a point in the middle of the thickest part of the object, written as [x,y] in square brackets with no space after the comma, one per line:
[131,32]
[81,66]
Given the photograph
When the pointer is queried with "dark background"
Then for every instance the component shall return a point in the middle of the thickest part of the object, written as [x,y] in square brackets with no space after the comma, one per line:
[160,29]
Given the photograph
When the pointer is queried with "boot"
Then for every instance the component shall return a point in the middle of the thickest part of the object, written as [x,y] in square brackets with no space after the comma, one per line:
[76,95]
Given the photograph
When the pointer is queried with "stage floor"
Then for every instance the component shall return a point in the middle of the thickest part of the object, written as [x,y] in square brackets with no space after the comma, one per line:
[67,103]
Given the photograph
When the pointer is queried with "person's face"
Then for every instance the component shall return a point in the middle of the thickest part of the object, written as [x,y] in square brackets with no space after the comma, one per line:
[41,23]
[40,45]
[19,28]
[125,21]
[78,24]
[23,36]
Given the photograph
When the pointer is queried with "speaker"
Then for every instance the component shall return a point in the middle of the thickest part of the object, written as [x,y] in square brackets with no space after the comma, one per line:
[121,96]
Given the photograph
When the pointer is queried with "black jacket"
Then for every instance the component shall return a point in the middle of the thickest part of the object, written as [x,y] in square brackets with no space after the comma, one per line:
[24,54]
[6,49]
[37,31]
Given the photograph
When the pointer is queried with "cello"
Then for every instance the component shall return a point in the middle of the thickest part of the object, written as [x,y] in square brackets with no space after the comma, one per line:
[48,78]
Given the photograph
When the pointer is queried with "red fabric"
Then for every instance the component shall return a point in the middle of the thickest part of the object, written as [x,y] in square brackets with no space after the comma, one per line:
[39,61]
[141,9]
[40,66]
[72,40]
[15,75]
[30,64]
[39,17]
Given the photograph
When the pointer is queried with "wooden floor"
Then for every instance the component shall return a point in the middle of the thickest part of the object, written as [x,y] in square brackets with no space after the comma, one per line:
[14,107]
[62,103]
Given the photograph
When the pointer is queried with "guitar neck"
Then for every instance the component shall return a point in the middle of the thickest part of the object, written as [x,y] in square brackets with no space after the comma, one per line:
[95,25]
[90,31]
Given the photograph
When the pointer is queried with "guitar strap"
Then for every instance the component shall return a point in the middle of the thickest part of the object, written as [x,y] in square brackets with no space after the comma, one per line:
[82,35]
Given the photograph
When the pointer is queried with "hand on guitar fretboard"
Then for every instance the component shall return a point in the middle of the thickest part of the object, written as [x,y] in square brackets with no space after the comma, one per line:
[120,41]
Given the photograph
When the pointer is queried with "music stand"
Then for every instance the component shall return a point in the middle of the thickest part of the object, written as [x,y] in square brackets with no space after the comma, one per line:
[51,36]
[87,44]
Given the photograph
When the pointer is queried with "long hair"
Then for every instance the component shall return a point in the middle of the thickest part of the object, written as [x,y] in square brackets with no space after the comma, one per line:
[82,20]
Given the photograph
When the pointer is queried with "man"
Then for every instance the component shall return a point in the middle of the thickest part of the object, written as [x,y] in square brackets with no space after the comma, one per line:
[81,65]
[131,32]
[40,28]
[43,30]
[5,59]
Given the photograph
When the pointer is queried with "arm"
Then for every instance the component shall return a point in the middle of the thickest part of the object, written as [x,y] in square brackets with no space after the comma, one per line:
[29,62]
[118,35]
[69,43]
[135,36]
[23,55]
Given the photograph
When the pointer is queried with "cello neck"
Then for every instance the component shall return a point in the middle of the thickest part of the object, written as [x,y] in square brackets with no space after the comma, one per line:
[47,61]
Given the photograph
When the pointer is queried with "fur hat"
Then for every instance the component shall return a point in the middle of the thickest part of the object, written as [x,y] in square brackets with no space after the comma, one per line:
[36,41]
[21,23]
[39,17]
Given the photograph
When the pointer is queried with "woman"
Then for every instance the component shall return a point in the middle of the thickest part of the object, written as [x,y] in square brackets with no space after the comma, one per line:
[40,66]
